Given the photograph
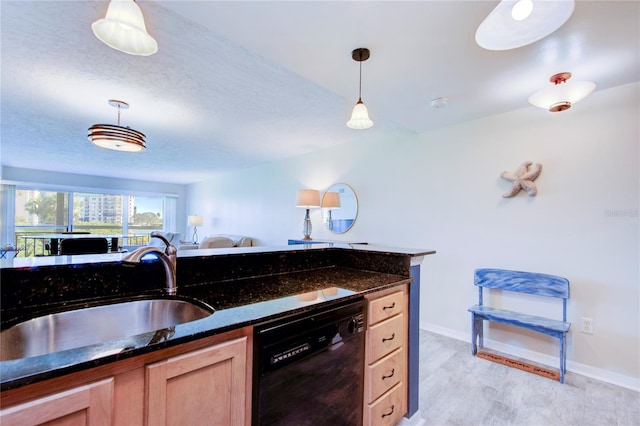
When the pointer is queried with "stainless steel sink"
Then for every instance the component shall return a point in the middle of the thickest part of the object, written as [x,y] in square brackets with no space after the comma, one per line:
[90,325]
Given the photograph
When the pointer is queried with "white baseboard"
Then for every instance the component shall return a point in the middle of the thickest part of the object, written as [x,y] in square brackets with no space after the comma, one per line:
[415,420]
[617,379]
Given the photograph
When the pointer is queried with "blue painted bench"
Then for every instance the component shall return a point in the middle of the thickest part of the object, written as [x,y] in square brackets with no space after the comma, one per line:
[522,282]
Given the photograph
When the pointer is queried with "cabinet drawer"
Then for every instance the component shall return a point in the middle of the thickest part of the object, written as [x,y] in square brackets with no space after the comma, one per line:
[384,374]
[387,410]
[384,338]
[386,307]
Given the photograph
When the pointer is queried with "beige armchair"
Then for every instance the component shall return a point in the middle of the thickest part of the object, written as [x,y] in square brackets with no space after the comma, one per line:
[216,242]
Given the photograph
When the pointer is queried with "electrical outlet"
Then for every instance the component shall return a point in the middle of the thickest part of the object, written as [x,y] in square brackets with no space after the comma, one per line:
[587,325]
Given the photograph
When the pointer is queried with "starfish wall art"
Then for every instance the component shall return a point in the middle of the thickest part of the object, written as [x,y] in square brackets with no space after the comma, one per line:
[523,179]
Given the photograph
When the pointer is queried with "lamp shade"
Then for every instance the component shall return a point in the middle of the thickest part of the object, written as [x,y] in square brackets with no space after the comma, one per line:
[194,220]
[563,94]
[308,198]
[123,29]
[360,117]
[515,23]
[331,200]
[117,138]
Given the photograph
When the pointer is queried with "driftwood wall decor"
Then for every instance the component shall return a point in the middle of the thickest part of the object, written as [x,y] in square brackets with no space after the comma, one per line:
[523,179]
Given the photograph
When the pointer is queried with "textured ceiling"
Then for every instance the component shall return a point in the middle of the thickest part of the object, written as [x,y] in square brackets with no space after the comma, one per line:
[235,84]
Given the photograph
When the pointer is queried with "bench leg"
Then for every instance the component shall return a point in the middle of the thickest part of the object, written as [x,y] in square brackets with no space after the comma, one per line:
[563,357]
[474,348]
[476,333]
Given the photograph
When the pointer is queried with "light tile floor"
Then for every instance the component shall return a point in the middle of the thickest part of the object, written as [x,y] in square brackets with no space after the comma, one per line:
[457,388]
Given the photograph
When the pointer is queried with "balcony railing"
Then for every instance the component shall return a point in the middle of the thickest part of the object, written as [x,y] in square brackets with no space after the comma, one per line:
[32,240]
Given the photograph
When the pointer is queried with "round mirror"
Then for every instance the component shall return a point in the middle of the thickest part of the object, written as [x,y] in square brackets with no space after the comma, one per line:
[339,208]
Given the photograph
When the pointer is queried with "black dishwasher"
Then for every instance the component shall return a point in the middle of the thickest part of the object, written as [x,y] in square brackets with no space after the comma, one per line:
[308,369]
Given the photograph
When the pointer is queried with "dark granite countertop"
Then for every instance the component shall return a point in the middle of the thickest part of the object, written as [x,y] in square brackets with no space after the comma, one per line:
[238,303]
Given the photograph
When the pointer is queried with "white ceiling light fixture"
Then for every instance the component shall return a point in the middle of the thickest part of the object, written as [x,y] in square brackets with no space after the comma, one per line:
[360,116]
[116,137]
[516,23]
[123,29]
[561,95]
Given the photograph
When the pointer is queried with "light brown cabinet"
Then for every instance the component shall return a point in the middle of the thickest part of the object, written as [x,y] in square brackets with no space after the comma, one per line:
[207,381]
[386,354]
[201,387]
[90,404]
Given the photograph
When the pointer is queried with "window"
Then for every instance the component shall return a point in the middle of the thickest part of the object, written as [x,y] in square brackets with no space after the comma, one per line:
[42,211]
[39,213]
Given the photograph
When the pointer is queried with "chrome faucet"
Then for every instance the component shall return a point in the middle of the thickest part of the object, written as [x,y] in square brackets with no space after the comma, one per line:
[167,257]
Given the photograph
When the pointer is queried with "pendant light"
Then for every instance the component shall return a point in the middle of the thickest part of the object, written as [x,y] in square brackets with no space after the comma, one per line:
[360,116]
[123,29]
[561,95]
[117,138]
[516,23]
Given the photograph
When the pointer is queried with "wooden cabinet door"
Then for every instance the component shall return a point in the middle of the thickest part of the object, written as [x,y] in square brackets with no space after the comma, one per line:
[206,386]
[91,404]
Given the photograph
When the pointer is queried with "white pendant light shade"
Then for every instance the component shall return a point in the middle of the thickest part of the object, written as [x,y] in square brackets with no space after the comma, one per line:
[123,29]
[562,95]
[360,117]
[516,23]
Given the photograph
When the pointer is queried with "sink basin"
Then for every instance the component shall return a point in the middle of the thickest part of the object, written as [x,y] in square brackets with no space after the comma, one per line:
[90,325]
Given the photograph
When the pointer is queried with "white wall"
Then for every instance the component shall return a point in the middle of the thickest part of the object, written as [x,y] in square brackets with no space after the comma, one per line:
[441,190]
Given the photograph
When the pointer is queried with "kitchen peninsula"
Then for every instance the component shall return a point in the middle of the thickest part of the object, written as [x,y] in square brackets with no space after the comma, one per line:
[245,286]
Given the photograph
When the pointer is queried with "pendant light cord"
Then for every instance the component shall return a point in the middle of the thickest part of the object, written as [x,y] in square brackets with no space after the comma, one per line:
[360,88]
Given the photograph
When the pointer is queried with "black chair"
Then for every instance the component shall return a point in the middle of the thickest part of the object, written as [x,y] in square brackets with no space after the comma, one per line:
[84,246]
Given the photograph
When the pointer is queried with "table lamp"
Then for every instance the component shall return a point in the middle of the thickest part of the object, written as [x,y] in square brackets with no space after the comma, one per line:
[331,200]
[307,199]
[195,221]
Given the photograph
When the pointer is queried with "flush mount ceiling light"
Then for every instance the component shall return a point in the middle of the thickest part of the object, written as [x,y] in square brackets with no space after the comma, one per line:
[439,103]
[123,29]
[360,116]
[117,138]
[516,23]
[561,95]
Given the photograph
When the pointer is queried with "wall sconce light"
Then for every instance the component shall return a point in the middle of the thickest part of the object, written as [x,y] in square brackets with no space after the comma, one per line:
[330,200]
[561,95]
[116,137]
[194,221]
[123,29]
[360,116]
[516,23]
[307,199]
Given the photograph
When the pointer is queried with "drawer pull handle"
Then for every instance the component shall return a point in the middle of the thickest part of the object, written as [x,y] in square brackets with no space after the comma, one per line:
[393,371]
[393,305]
[393,407]
[393,336]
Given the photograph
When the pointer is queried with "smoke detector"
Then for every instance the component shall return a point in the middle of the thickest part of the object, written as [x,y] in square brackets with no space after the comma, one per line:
[438,103]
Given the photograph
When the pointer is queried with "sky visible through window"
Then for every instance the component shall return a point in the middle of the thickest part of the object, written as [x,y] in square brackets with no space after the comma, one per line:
[146,204]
